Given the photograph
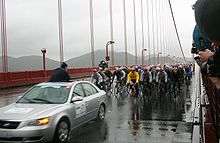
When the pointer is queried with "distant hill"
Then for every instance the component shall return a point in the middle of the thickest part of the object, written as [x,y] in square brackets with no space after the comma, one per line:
[29,63]
[35,62]
[85,60]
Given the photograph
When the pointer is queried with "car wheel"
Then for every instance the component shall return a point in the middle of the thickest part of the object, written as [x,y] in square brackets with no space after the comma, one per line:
[62,132]
[101,113]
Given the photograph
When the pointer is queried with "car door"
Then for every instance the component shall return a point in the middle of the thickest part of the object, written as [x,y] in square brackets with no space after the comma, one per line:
[91,99]
[79,107]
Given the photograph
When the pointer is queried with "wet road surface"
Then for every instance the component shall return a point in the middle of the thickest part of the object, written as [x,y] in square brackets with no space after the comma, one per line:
[162,119]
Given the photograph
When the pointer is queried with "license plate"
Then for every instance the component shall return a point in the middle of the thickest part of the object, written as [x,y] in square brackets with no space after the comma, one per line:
[4,134]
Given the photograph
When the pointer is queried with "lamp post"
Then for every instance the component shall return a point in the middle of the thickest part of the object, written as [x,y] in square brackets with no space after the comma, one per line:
[44,58]
[142,55]
[158,57]
[107,58]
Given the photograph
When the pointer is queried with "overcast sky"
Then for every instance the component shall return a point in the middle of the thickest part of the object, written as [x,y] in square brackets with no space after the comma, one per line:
[32,25]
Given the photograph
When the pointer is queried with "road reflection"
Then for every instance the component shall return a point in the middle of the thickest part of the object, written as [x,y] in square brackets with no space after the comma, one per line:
[134,123]
[93,132]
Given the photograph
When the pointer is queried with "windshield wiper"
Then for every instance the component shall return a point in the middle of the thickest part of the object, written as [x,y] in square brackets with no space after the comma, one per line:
[40,99]
[23,100]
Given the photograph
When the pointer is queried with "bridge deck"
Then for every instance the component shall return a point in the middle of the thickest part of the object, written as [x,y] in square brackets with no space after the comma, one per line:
[160,120]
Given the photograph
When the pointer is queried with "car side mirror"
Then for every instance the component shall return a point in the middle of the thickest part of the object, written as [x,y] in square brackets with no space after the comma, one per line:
[76,99]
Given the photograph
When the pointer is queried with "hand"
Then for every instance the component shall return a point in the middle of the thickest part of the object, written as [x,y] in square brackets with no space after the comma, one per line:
[127,84]
[215,44]
[205,55]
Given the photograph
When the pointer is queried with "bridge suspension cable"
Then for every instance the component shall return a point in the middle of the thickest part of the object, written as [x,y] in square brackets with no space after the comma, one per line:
[92,33]
[111,32]
[135,31]
[125,33]
[60,22]
[153,30]
[148,31]
[157,30]
[4,41]
[177,34]
[142,29]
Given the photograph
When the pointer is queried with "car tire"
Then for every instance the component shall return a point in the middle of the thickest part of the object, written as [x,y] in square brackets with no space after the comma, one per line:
[62,132]
[101,113]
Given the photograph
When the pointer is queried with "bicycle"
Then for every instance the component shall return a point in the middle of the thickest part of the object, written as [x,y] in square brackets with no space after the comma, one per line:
[118,89]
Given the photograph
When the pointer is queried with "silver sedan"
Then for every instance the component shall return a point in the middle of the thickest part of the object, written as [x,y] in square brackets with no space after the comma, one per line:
[49,111]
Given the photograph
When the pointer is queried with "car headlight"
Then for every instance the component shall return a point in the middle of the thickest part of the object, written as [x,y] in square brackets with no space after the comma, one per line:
[39,122]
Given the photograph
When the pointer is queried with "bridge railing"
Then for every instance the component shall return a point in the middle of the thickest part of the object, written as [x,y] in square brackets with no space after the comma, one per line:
[211,109]
[12,79]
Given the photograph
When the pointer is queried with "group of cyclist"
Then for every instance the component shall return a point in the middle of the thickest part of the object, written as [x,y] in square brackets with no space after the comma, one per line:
[148,78]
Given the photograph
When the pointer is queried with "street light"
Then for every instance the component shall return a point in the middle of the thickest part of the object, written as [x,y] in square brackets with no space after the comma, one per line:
[158,56]
[44,58]
[143,50]
[107,58]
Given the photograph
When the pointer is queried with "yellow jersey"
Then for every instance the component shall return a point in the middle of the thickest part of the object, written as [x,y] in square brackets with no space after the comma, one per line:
[133,76]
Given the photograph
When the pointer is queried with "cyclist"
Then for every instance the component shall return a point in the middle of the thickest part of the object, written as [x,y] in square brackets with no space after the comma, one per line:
[119,76]
[188,71]
[96,78]
[99,77]
[147,80]
[133,80]
[161,79]
[188,76]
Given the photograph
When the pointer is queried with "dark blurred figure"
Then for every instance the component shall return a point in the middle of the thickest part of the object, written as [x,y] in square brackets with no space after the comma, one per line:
[207,18]
[60,74]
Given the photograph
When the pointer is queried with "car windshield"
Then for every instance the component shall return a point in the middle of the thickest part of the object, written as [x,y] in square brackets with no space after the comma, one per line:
[46,95]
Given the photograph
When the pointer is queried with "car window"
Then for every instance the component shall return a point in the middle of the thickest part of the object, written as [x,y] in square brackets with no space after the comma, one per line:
[89,89]
[78,90]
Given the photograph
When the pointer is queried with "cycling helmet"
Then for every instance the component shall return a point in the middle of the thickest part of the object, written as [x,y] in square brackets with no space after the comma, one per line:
[63,65]
[103,64]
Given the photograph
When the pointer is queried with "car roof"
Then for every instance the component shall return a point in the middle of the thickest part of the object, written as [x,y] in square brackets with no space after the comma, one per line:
[56,83]
[60,83]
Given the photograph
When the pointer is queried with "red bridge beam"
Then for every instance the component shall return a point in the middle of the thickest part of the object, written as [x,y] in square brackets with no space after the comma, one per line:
[13,79]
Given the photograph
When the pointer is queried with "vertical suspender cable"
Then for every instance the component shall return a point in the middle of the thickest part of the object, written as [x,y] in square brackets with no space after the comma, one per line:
[4,37]
[92,33]
[153,31]
[60,22]
[167,34]
[6,40]
[148,31]
[163,32]
[125,33]
[177,34]
[142,28]
[160,29]
[111,32]
[135,32]
[157,28]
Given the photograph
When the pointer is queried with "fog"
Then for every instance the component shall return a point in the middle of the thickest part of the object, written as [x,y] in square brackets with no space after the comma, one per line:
[33,24]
